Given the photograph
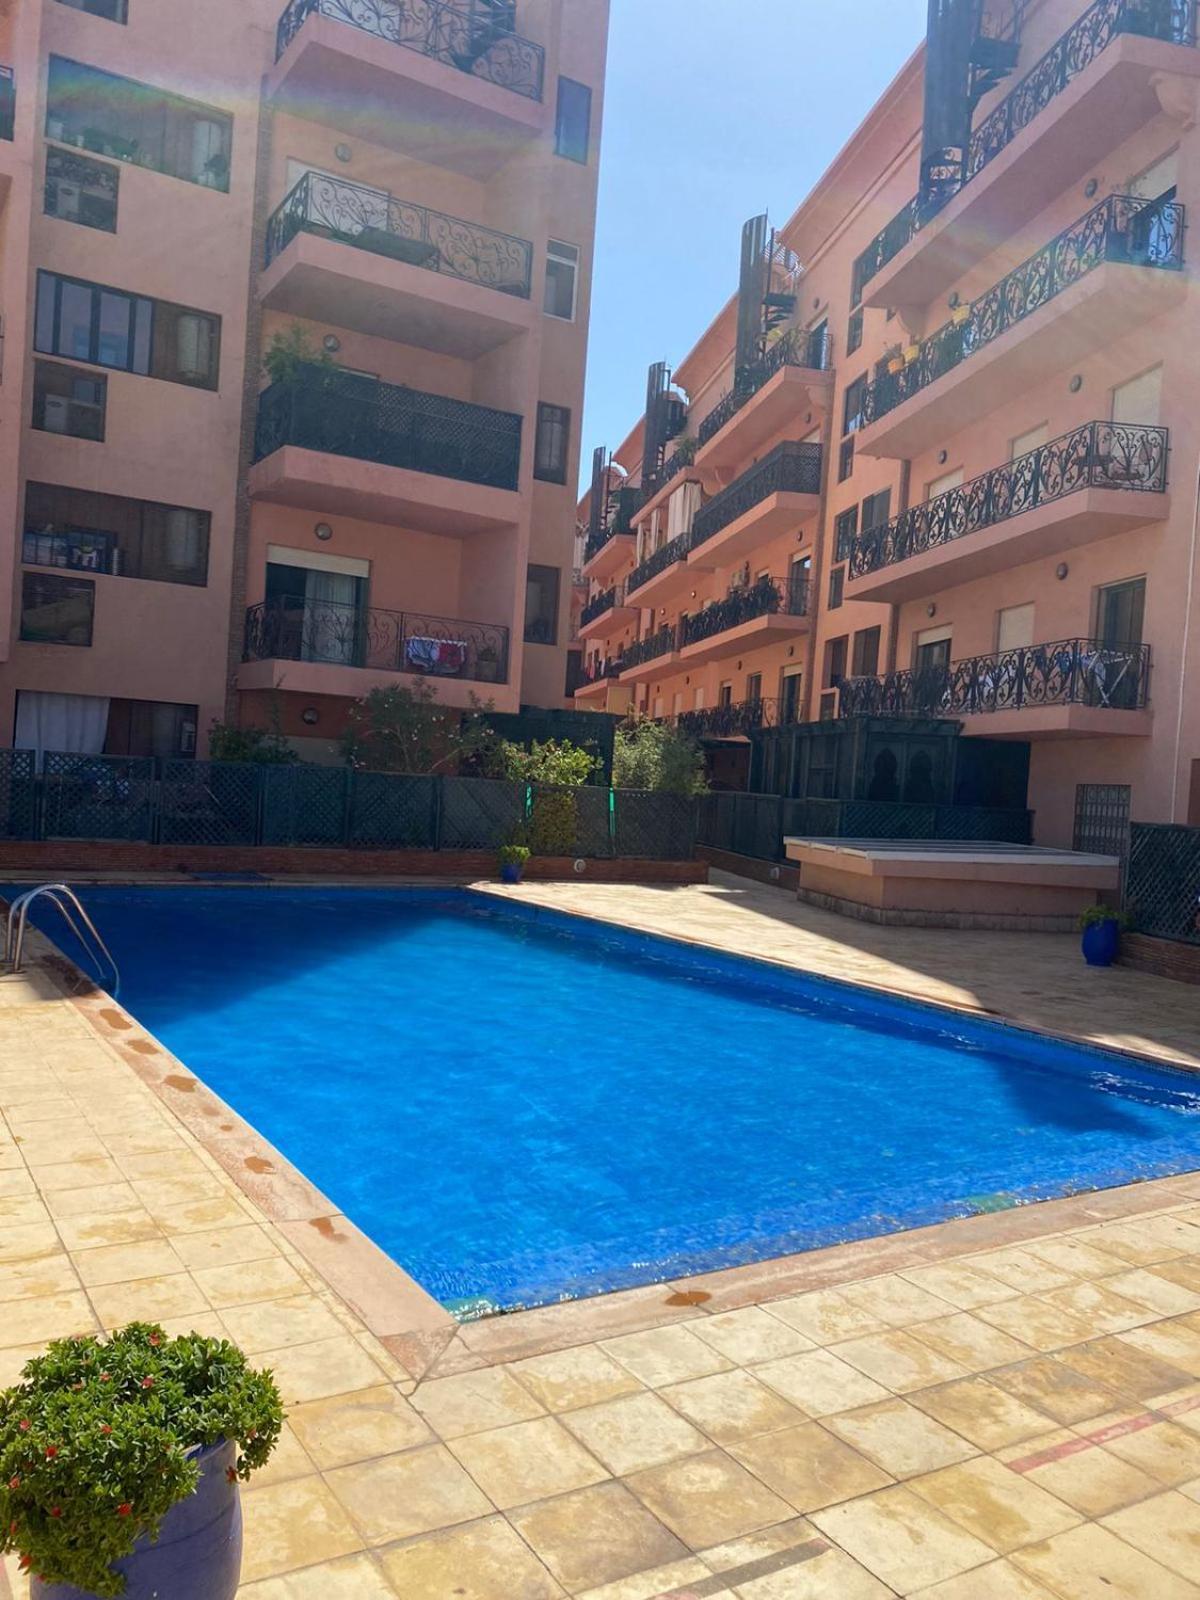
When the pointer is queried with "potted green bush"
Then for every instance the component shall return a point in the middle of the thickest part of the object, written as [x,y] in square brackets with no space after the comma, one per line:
[512,862]
[120,1460]
[1101,928]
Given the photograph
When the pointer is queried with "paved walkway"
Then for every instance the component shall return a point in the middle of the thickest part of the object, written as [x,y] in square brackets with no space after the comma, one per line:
[1003,1408]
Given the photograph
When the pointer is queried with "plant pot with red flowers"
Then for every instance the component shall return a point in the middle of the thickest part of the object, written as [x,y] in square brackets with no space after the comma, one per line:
[119,1465]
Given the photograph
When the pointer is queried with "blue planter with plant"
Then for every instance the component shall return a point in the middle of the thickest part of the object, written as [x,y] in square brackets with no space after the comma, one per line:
[1101,942]
[120,1461]
[512,862]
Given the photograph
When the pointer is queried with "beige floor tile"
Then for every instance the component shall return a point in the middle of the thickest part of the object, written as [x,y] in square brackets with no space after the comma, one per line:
[975,1345]
[198,1216]
[356,1427]
[118,1263]
[750,1335]
[1000,1580]
[826,1316]
[899,1438]
[158,1194]
[1000,1507]
[475,1402]
[709,1499]
[276,1324]
[28,1241]
[25,1322]
[1100,1306]
[671,1354]
[316,1371]
[224,1247]
[1078,1256]
[1093,1481]
[732,1405]
[830,1573]
[289,1459]
[294,1524]
[635,1432]
[400,1496]
[808,1467]
[596,1536]
[355,1577]
[1156,1289]
[89,1199]
[147,1299]
[1124,1367]
[1174,1341]
[780,1537]
[21,1210]
[44,1275]
[899,1361]
[656,1583]
[1167,1528]
[961,1283]
[528,1461]
[568,1379]
[1090,1563]
[982,1412]
[1164,1451]
[481,1561]
[1037,1323]
[1183,1270]
[1049,1385]
[1023,1270]
[896,1301]
[246,1282]
[88,1231]
[902,1539]
[819,1383]
[1138,1243]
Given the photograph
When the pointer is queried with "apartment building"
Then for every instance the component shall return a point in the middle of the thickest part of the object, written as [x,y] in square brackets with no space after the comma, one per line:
[295,299]
[938,458]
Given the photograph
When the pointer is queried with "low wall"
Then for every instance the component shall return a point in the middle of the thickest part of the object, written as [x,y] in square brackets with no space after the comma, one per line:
[778,874]
[1162,958]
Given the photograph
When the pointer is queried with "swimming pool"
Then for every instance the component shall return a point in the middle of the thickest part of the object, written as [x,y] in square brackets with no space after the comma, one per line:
[521,1107]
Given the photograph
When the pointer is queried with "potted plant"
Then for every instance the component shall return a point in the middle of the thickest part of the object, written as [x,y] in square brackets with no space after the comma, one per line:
[512,862]
[1101,927]
[911,352]
[960,314]
[893,359]
[119,1465]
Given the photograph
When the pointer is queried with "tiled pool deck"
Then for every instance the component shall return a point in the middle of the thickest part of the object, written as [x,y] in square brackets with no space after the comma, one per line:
[1002,1408]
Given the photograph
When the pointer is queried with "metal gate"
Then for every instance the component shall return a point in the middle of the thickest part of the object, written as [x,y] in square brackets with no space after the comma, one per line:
[1102,819]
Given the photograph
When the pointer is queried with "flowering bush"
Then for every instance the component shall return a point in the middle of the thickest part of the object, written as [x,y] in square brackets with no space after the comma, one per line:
[97,1444]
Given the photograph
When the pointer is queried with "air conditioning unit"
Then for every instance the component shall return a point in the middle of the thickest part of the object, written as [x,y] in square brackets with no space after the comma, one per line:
[56,413]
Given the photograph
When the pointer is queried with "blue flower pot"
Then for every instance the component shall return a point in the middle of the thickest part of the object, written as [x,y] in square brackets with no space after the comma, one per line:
[198,1555]
[511,872]
[1101,941]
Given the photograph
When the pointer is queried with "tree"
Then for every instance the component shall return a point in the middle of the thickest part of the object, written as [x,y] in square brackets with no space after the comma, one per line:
[264,746]
[407,730]
[653,755]
[291,350]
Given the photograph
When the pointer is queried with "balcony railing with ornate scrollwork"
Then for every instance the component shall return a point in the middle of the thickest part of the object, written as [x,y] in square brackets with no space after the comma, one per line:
[334,634]
[1171,20]
[665,556]
[790,468]
[600,669]
[606,600]
[671,468]
[345,414]
[8,101]
[475,36]
[619,524]
[333,208]
[737,720]
[795,349]
[1098,455]
[651,647]
[1080,672]
[765,597]
[1123,229]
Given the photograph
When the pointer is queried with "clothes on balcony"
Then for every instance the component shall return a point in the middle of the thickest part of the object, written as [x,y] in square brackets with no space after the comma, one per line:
[441,658]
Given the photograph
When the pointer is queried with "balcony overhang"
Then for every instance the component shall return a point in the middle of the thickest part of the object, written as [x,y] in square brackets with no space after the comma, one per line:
[614,554]
[1090,315]
[331,281]
[1035,723]
[774,629]
[660,496]
[1047,530]
[669,584]
[776,514]
[609,622]
[790,394]
[1127,85]
[606,694]
[645,670]
[369,88]
[352,683]
[341,485]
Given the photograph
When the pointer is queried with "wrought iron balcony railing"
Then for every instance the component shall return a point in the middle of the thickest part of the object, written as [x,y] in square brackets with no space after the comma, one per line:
[605,601]
[665,556]
[790,468]
[1082,672]
[1123,228]
[334,208]
[1087,38]
[795,349]
[619,525]
[296,629]
[8,101]
[1098,455]
[765,597]
[601,669]
[476,36]
[651,647]
[738,719]
[344,414]
[671,468]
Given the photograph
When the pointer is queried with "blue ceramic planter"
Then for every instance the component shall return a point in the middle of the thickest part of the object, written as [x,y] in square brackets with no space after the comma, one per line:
[1101,941]
[511,872]
[198,1555]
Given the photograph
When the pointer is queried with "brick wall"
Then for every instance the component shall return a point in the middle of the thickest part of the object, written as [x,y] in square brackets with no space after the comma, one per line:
[777,873]
[1163,958]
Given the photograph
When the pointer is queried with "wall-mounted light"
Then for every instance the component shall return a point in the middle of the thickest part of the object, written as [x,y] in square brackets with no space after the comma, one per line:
[791,650]
[1091,186]
[323,531]
[955,301]
[343,152]
[1061,570]
[943,457]
[331,344]
[310,716]
[1076,383]
[739,666]
[931,609]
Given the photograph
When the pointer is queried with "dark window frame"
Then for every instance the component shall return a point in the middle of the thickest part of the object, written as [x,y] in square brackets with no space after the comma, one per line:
[864,652]
[854,331]
[846,459]
[57,371]
[69,588]
[852,403]
[837,589]
[573,121]
[543,629]
[135,531]
[107,174]
[147,317]
[845,528]
[119,12]
[876,509]
[552,443]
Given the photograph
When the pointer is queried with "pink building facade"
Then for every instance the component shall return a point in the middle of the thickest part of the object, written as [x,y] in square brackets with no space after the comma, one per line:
[938,459]
[394,208]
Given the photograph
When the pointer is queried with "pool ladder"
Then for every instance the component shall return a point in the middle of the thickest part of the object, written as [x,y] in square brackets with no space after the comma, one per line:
[58,894]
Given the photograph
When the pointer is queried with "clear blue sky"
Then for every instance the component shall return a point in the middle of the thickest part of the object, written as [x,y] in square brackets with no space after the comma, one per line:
[716,110]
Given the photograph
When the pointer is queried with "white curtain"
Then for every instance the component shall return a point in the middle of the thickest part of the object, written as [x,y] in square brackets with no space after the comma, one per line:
[330,616]
[71,722]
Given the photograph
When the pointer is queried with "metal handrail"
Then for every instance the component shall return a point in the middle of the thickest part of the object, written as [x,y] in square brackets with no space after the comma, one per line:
[18,916]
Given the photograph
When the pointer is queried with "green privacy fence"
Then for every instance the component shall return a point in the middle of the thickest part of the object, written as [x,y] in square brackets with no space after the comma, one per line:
[140,799]
[1162,881]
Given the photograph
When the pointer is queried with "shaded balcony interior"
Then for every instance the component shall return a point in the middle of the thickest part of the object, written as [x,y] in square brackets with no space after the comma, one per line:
[731,719]
[791,378]
[612,506]
[1101,479]
[606,613]
[759,612]
[662,574]
[770,498]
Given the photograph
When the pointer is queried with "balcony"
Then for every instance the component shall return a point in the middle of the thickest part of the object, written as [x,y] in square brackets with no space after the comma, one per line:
[334,441]
[610,545]
[793,378]
[355,257]
[738,720]
[1071,688]
[606,614]
[648,657]
[319,647]
[8,101]
[763,612]
[1102,79]
[599,688]
[451,85]
[663,575]
[773,497]
[662,485]
[1116,268]
[1102,479]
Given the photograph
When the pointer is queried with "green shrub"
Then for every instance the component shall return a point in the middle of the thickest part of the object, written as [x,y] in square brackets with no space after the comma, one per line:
[1102,913]
[553,822]
[265,746]
[654,755]
[94,1442]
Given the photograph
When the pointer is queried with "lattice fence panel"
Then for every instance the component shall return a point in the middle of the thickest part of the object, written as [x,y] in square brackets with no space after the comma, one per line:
[872,819]
[994,824]
[392,812]
[481,813]
[305,805]
[714,820]
[758,826]
[98,797]
[570,821]
[1162,886]
[655,827]
[210,802]
[18,795]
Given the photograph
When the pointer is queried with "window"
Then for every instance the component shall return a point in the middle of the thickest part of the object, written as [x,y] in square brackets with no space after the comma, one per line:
[572,124]
[837,586]
[866,652]
[553,443]
[1139,401]
[852,404]
[854,332]
[128,332]
[56,610]
[1025,443]
[81,190]
[944,484]
[931,649]
[68,401]
[562,280]
[845,526]
[876,509]
[753,688]
[833,668]
[1014,627]
[724,695]
[114,10]
[541,605]
[135,122]
[846,459]
[791,695]
[108,533]
[151,728]
[1120,612]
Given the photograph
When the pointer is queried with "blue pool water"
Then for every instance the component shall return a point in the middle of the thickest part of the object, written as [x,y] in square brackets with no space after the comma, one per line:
[520,1107]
